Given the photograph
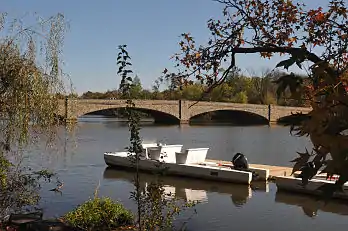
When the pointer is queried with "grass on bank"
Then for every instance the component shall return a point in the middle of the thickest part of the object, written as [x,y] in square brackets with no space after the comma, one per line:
[99,214]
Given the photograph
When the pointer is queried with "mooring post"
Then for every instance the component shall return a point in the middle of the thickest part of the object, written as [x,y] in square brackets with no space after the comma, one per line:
[269,114]
[66,108]
[180,109]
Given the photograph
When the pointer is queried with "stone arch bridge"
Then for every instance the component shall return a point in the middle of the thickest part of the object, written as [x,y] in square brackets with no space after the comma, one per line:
[174,110]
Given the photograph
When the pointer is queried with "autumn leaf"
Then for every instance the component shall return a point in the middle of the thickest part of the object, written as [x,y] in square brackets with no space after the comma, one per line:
[300,161]
[290,81]
[293,39]
[320,17]
[286,63]
[282,27]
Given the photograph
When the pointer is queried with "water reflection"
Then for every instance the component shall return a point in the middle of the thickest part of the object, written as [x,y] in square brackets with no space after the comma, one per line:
[114,122]
[311,206]
[189,189]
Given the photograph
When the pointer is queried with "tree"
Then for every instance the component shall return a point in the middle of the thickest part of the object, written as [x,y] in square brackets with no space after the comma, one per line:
[232,75]
[314,37]
[241,97]
[136,88]
[192,92]
[154,210]
[263,91]
[223,93]
[30,87]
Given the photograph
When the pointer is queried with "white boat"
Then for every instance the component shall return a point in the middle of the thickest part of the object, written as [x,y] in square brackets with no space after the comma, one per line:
[293,184]
[189,163]
[320,176]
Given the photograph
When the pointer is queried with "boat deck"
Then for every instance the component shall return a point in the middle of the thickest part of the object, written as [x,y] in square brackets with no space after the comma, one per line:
[274,171]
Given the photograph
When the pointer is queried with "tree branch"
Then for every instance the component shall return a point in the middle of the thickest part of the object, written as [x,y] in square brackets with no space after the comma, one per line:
[220,81]
[290,50]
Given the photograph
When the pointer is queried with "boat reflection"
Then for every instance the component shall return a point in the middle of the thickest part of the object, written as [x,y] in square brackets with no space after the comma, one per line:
[310,205]
[191,189]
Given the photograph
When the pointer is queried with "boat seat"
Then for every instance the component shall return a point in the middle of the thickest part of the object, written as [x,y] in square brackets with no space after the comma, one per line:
[146,147]
[192,156]
[167,152]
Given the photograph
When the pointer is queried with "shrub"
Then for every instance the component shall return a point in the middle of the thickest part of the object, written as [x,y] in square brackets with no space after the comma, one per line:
[99,214]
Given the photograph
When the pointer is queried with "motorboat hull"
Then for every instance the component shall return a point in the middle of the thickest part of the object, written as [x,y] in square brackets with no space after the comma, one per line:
[292,184]
[207,172]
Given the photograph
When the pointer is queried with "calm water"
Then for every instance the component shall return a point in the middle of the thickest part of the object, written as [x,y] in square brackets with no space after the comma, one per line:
[223,206]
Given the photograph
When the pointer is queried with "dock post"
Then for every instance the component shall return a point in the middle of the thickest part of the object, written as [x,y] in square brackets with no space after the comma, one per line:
[184,122]
[180,109]
[269,115]
[66,108]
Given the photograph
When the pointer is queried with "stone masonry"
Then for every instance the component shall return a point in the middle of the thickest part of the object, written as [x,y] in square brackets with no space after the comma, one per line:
[179,110]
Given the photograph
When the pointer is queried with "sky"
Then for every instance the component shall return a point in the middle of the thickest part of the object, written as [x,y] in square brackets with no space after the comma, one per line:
[150,28]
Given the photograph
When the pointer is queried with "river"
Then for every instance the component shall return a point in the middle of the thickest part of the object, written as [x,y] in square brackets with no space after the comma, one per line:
[81,166]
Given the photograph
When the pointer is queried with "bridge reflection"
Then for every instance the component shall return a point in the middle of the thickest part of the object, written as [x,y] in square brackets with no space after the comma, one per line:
[189,189]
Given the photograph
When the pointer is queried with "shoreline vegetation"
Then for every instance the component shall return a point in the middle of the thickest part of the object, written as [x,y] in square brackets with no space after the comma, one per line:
[238,88]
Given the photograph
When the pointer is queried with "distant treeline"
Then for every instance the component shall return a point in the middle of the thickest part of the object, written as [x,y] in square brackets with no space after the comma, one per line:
[237,89]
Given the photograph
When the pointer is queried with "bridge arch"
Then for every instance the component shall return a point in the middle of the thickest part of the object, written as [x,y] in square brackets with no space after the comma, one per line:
[159,116]
[241,116]
[199,108]
[294,119]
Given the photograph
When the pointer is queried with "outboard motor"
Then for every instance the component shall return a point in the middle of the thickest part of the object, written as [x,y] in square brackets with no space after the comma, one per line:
[240,162]
[308,171]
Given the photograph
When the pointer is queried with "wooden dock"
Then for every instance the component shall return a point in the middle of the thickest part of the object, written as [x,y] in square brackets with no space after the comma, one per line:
[273,170]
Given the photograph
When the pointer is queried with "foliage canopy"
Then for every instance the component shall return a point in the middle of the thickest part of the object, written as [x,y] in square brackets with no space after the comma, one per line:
[30,78]
[155,211]
[314,37]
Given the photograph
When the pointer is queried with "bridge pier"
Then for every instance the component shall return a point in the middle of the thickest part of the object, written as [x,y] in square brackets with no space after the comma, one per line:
[71,120]
[272,122]
[184,122]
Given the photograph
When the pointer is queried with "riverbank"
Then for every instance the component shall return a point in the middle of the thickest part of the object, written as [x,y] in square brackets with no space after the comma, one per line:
[50,224]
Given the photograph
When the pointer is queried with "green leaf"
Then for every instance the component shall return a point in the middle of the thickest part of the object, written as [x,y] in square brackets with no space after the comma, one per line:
[299,64]
[286,63]
[290,81]
[300,161]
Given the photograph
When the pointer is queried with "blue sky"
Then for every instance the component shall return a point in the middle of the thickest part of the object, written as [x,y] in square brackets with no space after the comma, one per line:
[150,28]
